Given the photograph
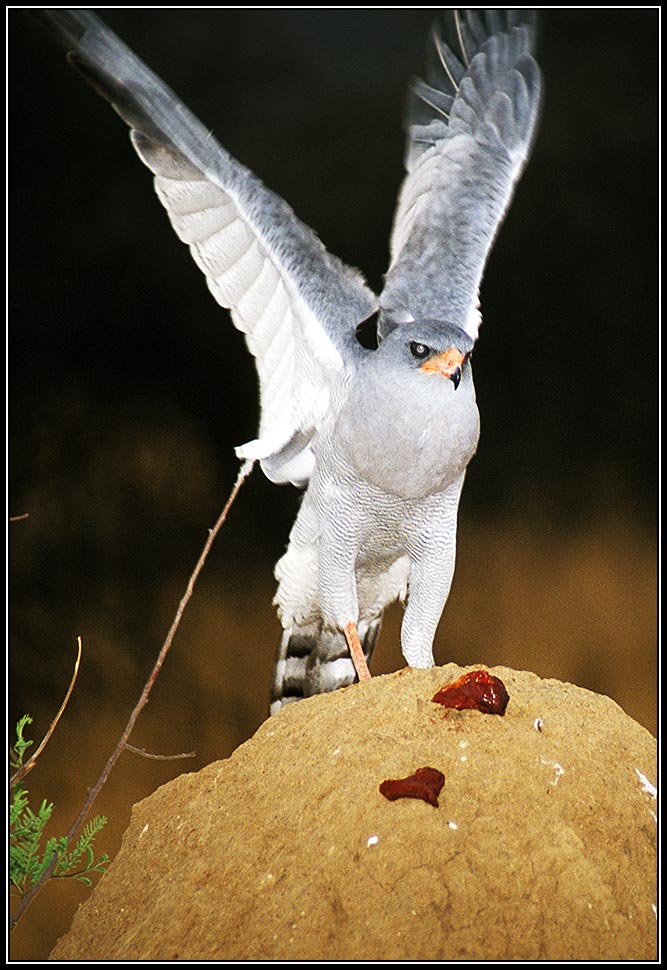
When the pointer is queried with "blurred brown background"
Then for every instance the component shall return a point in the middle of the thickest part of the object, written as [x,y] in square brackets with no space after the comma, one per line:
[129,387]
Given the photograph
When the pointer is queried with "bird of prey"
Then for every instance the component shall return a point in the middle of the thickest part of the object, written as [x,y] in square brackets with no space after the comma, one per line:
[381,436]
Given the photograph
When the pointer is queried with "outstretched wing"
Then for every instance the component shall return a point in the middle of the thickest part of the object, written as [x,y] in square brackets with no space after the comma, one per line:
[471,130]
[297,305]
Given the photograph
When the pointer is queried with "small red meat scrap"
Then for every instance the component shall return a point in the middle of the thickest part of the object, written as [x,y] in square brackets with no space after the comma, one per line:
[477,690]
[426,783]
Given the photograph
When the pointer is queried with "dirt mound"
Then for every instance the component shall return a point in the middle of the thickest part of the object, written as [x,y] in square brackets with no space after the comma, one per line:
[542,844]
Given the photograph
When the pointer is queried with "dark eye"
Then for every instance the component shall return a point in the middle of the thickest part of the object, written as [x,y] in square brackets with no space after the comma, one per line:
[419,350]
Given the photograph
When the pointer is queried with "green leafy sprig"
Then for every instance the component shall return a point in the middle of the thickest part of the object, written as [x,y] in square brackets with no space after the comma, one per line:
[29,855]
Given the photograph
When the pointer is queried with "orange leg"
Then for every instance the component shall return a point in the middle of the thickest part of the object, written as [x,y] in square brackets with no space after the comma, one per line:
[356,652]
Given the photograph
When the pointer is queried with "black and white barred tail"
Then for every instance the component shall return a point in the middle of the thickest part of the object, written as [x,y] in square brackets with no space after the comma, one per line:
[314,662]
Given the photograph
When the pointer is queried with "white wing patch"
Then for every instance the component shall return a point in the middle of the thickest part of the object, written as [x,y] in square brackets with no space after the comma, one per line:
[296,361]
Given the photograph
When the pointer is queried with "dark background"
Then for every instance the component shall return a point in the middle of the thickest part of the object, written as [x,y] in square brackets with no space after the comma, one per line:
[129,387]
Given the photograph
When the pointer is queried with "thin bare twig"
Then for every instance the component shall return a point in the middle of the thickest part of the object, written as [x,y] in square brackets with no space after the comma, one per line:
[158,757]
[19,518]
[93,792]
[32,761]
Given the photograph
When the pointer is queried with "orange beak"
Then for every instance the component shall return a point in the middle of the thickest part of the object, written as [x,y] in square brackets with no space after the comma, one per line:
[448,364]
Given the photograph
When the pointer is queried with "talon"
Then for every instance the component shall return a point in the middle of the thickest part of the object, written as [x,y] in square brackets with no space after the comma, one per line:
[356,652]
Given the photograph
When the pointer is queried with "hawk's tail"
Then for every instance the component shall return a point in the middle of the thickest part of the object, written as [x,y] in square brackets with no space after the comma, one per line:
[312,661]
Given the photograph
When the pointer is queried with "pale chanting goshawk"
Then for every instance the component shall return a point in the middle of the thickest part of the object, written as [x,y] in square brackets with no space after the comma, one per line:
[381,437]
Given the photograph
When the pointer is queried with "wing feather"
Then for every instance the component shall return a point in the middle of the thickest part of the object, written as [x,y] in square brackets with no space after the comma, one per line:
[297,305]
[470,136]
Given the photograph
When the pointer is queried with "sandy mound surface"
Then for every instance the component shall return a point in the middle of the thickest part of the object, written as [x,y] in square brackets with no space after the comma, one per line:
[542,845]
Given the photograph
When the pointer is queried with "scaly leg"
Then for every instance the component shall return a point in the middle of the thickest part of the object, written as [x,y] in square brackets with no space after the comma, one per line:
[356,652]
